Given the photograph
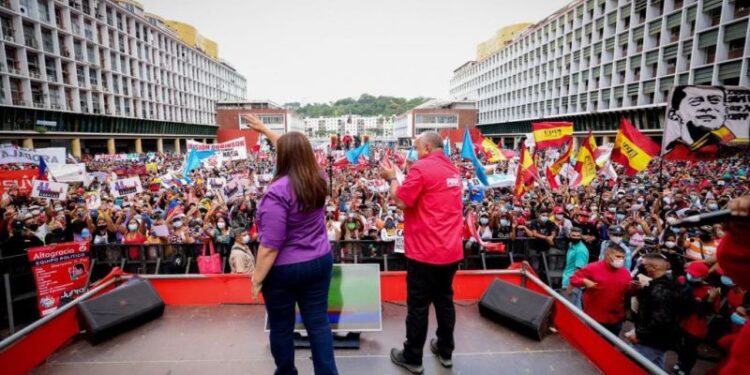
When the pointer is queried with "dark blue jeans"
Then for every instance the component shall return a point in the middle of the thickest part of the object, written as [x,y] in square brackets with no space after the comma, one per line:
[305,284]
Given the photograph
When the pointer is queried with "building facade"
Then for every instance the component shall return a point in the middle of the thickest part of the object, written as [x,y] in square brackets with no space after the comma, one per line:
[104,76]
[435,115]
[276,117]
[377,127]
[597,61]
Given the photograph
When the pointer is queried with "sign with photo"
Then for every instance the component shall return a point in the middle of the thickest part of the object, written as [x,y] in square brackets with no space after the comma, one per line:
[701,120]
[60,272]
[234,149]
[125,187]
[216,183]
[49,190]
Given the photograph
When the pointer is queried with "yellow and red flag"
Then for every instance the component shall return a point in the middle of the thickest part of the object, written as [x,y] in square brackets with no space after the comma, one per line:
[633,150]
[551,134]
[553,170]
[494,153]
[526,173]
[586,162]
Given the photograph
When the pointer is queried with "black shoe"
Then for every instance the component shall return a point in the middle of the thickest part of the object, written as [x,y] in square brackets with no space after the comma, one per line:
[446,362]
[397,357]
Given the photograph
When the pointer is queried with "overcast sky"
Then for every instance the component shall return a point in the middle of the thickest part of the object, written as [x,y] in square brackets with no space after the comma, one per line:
[323,50]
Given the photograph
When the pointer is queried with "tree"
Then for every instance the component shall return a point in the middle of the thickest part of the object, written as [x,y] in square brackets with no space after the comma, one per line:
[365,105]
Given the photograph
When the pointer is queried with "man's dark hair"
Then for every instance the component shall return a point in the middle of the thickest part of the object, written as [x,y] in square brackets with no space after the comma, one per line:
[615,247]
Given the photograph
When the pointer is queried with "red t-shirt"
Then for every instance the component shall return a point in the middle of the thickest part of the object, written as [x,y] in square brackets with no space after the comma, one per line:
[433,222]
[606,302]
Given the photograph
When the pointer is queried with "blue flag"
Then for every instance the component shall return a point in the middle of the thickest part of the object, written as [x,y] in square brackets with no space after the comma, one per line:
[467,152]
[194,159]
[447,146]
[42,168]
[353,155]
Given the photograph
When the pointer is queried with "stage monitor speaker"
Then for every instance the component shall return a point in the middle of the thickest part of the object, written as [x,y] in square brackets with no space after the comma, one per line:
[517,308]
[126,307]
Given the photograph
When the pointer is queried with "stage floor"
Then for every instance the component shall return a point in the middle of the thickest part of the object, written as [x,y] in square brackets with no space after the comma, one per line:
[229,339]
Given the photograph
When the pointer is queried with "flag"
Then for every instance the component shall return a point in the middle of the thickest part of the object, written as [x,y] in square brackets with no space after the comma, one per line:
[467,152]
[353,155]
[585,163]
[633,150]
[526,173]
[194,159]
[553,170]
[447,147]
[551,134]
[494,152]
[42,169]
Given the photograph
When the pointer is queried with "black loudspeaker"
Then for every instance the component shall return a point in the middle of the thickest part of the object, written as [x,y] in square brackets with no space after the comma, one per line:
[128,306]
[517,308]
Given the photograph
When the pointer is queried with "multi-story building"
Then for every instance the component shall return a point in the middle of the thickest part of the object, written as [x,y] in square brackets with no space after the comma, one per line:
[596,61]
[434,115]
[276,117]
[377,127]
[104,76]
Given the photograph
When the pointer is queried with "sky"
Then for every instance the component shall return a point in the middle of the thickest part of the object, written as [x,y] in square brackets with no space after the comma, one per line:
[323,50]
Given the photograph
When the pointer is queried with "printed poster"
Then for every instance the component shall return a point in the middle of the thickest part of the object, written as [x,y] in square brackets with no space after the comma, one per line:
[22,179]
[125,187]
[60,272]
[49,190]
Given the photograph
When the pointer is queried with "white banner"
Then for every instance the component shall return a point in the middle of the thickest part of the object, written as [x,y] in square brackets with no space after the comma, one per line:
[234,149]
[49,190]
[117,157]
[69,173]
[126,186]
[10,154]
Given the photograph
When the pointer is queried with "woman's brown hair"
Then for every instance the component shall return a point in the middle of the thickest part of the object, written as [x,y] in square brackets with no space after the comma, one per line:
[295,159]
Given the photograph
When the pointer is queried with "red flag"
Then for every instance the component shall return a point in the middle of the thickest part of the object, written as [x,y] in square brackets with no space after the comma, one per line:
[551,134]
[553,170]
[632,149]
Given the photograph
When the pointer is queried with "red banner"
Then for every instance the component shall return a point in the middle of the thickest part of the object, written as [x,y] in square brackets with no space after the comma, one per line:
[60,271]
[22,178]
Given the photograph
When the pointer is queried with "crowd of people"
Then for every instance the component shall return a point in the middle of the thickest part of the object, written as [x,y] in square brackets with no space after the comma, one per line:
[620,260]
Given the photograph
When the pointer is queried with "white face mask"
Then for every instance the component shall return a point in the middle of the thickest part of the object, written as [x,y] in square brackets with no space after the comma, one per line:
[616,239]
[221,225]
[132,227]
[245,239]
[670,244]
[617,263]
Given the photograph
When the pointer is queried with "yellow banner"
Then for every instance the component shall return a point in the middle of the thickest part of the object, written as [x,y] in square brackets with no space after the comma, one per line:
[637,158]
[492,148]
[551,134]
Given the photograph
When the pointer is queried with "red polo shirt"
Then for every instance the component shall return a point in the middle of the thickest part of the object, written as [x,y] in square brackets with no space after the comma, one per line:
[433,214]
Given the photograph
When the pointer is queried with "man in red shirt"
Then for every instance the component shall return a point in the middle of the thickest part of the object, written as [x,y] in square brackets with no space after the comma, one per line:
[606,284]
[431,199]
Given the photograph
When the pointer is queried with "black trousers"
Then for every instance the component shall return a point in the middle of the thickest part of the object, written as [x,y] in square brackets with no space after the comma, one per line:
[429,284]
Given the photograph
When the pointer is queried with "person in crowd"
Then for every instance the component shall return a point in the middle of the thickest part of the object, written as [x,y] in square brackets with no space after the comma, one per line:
[543,231]
[333,227]
[699,301]
[576,258]
[483,229]
[294,266]
[656,322]
[432,248]
[606,284]
[241,259]
[616,236]
[221,235]
[21,239]
[702,248]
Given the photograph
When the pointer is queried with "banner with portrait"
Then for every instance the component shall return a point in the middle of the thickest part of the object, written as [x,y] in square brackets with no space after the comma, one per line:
[60,272]
[125,186]
[227,151]
[702,121]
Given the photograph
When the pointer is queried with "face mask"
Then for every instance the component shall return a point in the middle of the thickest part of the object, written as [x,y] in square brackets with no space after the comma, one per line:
[221,225]
[569,207]
[504,222]
[351,226]
[612,209]
[617,263]
[544,219]
[132,227]
[484,221]
[713,206]
[670,244]
[674,229]
[727,281]
[692,279]
[58,208]
[57,231]
[575,241]
[594,208]
[737,319]
[177,224]
[559,217]
[615,239]
[620,217]
[389,225]
[33,227]
[245,239]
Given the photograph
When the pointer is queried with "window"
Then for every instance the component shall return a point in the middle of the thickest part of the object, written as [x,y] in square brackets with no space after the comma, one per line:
[671,66]
[47,41]
[736,48]
[710,54]
[51,69]
[741,8]
[28,35]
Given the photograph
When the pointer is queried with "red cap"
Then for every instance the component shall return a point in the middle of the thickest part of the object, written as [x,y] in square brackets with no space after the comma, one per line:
[558,210]
[697,269]
[521,221]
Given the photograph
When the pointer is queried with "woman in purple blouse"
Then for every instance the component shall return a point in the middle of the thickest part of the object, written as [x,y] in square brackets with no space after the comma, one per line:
[294,263]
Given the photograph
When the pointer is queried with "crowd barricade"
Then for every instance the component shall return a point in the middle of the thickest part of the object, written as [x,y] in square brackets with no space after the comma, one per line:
[19,295]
